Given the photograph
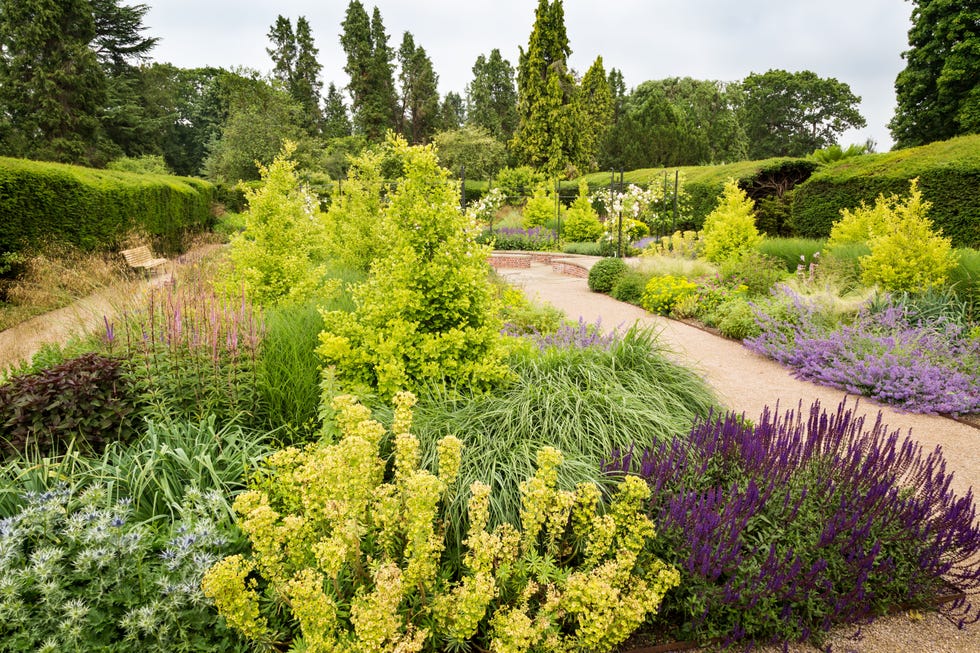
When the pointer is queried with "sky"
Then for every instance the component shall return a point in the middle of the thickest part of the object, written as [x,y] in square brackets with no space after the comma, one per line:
[858,42]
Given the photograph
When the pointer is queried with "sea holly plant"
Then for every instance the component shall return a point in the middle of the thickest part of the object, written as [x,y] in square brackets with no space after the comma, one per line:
[352,551]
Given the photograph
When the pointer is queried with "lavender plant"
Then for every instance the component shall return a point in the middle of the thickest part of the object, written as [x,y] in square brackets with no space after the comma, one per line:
[886,354]
[511,238]
[77,573]
[804,520]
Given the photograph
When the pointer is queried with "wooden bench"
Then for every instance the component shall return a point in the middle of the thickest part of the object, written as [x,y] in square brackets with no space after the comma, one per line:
[140,258]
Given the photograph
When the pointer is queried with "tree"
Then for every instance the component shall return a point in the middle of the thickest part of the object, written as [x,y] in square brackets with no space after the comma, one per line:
[597,111]
[372,86]
[938,92]
[491,97]
[793,114]
[471,147]
[52,89]
[420,97]
[452,113]
[296,67]
[548,132]
[611,147]
[336,123]
[729,229]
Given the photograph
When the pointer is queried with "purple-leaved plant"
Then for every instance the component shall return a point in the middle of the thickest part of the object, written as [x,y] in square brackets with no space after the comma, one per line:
[885,355]
[804,520]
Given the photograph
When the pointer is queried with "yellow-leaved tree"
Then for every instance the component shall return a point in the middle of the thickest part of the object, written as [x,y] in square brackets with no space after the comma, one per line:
[729,230]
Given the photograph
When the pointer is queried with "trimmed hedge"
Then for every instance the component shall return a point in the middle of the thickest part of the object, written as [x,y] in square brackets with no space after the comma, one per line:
[949,176]
[93,209]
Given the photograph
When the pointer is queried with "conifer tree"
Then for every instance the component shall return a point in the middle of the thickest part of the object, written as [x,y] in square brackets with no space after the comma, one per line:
[369,65]
[296,66]
[548,135]
[597,111]
[492,96]
[420,96]
[336,123]
[52,89]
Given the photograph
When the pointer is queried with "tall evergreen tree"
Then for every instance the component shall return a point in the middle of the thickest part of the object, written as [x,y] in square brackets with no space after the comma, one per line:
[938,92]
[296,66]
[336,123]
[611,146]
[52,89]
[548,134]
[369,65]
[119,42]
[452,113]
[420,95]
[492,97]
[597,111]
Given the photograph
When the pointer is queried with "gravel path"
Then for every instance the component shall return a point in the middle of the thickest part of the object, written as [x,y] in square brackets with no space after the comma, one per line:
[747,382]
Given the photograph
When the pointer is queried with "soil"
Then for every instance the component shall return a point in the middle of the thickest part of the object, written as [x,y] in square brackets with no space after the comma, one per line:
[748,382]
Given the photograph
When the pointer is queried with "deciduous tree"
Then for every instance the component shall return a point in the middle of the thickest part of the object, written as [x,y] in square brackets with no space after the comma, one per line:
[793,114]
[938,92]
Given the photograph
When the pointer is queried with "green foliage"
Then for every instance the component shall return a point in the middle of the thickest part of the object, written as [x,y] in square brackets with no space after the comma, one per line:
[630,287]
[563,578]
[355,231]
[937,92]
[80,574]
[491,97]
[369,66]
[426,312]
[730,228]
[94,209]
[663,293]
[596,107]
[297,68]
[148,164]
[86,399]
[581,222]
[835,153]
[549,134]
[964,279]
[542,208]
[948,173]
[278,257]
[584,400]
[516,183]
[604,273]
[52,88]
[755,271]
[737,319]
[905,252]
[521,316]
[792,251]
[471,148]
[419,117]
[590,248]
[793,114]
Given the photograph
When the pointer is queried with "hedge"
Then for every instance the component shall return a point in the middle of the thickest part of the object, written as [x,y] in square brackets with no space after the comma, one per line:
[94,209]
[949,176]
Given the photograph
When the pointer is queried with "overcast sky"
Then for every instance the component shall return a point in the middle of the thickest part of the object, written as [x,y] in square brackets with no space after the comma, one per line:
[858,42]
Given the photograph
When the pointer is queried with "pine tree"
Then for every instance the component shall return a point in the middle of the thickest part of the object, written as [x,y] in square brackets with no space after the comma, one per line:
[492,96]
[548,135]
[336,123]
[283,50]
[452,113]
[372,87]
[296,67]
[52,89]
[420,97]
[938,92]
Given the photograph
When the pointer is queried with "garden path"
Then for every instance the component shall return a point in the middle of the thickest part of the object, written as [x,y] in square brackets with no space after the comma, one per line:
[748,382]
[85,315]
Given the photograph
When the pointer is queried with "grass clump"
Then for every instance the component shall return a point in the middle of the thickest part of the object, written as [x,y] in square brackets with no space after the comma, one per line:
[584,401]
[791,251]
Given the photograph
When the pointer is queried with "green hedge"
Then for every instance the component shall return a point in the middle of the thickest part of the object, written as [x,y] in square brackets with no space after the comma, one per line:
[94,209]
[949,176]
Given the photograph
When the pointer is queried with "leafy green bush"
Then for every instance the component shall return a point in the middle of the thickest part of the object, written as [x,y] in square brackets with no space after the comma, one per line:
[329,530]
[948,172]
[755,271]
[590,248]
[964,279]
[78,573]
[95,209]
[87,400]
[581,222]
[905,253]
[517,183]
[279,255]
[540,209]
[427,311]
[730,228]
[148,164]
[737,319]
[630,287]
[662,293]
[604,273]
